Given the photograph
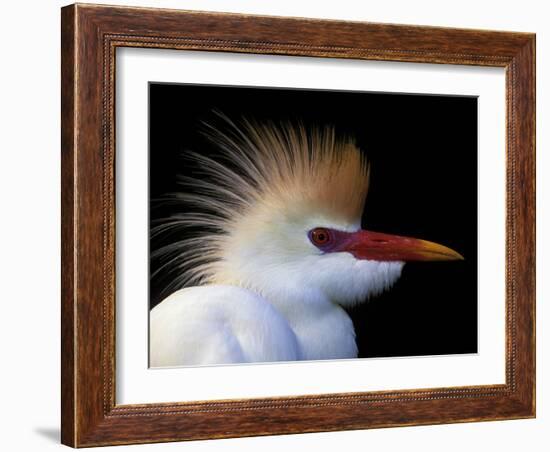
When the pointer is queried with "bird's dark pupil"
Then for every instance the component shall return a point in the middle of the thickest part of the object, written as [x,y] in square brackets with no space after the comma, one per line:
[320,236]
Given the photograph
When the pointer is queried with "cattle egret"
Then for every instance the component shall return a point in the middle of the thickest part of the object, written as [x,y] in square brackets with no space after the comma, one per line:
[276,251]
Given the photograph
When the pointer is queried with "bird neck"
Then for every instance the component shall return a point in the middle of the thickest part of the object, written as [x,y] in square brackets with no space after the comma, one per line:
[323,329]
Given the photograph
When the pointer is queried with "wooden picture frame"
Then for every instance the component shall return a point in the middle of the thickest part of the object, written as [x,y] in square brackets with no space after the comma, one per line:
[90,36]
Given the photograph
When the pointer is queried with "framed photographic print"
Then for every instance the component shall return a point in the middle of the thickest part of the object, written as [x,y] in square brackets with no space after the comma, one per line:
[280,225]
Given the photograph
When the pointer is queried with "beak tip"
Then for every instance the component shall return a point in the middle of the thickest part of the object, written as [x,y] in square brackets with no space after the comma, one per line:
[435,251]
[455,255]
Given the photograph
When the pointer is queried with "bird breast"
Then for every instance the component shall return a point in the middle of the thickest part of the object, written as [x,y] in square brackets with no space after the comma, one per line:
[224,324]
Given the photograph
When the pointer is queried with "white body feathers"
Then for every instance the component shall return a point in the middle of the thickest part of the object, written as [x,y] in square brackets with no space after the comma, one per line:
[296,320]
[198,326]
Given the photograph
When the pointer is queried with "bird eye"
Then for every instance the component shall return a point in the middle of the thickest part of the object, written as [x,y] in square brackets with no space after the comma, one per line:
[320,236]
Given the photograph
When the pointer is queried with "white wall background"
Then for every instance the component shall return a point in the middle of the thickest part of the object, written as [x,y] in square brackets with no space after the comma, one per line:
[29,224]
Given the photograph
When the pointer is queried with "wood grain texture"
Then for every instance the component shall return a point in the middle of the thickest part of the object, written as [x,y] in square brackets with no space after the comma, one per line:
[90,36]
[68,244]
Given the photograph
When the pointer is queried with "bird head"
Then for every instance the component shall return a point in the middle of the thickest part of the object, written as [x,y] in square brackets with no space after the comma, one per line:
[281,215]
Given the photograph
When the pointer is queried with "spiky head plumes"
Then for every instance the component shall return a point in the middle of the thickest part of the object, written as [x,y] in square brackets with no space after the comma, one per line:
[278,212]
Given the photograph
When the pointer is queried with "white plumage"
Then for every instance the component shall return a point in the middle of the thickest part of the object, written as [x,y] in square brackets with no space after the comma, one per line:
[195,326]
[279,252]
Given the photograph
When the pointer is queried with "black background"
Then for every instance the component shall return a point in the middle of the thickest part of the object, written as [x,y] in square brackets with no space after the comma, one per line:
[423,155]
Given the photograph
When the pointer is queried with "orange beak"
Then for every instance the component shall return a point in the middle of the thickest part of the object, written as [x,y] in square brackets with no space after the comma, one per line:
[385,247]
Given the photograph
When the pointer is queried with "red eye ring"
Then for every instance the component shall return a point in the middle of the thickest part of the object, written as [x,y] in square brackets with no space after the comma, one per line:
[320,236]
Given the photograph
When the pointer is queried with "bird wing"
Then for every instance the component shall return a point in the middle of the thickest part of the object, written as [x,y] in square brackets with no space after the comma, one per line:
[218,324]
